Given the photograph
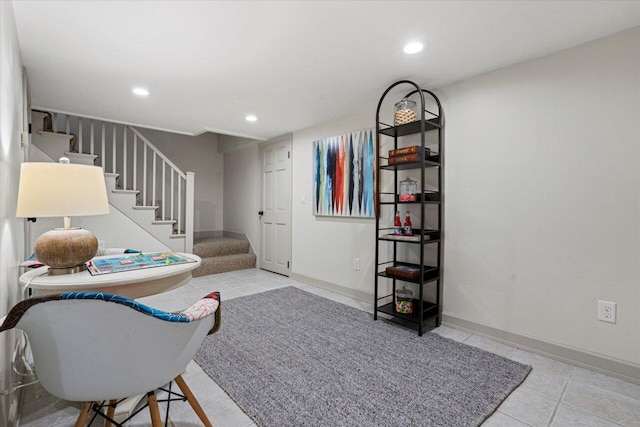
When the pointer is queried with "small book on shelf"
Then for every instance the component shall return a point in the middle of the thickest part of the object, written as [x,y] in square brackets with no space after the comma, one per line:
[407,155]
[407,158]
[407,150]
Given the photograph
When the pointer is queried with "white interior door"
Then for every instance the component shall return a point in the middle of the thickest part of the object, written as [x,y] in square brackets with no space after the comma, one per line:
[275,206]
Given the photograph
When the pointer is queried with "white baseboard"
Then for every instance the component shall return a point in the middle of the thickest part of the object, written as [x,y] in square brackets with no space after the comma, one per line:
[605,365]
[362,296]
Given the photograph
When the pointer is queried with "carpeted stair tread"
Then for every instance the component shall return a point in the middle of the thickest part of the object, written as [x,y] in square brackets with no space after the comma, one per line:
[219,246]
[223,264]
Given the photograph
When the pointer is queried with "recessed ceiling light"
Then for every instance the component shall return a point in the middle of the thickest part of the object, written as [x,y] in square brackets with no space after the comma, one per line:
[140,91]
[413,47]
[251,118]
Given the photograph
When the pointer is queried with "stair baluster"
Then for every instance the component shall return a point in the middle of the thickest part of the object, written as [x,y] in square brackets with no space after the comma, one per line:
[103,144]
[80,135]
[124,157]
[164,181]
[91,137]
[113,145]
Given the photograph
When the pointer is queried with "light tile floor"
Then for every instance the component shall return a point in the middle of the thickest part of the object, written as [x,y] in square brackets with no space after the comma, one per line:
[555,393]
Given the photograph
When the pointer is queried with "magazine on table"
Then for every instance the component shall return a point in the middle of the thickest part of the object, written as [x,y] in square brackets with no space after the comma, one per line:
[98,266]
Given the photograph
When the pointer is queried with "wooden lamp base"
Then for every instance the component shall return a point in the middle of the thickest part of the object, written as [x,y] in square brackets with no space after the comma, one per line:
[65,250]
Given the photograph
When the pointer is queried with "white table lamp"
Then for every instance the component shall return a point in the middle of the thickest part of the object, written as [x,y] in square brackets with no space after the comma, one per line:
[63,189]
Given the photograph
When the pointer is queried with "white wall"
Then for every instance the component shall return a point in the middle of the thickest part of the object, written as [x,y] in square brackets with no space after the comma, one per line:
[323,248]
[228,143]
[543,197]
[11,228]
[542,200]
[241,192]
[197,154]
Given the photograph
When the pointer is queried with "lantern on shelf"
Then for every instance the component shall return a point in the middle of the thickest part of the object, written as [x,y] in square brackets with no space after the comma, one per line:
[408,190]
[404,300]
[405,112]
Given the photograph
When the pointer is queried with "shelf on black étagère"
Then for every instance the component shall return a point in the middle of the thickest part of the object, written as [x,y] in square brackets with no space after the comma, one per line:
[429,273]
[429,196]
[428,202]
[428,236]
[432,160]
[411,128]
[428,310]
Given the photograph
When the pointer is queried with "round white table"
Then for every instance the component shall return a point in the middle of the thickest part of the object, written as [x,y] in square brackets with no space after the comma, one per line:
[131,284]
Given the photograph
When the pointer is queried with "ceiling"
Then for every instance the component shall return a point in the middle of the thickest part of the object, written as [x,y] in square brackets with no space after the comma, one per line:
[292,64]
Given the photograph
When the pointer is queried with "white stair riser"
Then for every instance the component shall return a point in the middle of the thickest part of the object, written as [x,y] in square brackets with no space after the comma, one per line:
[55,145]
[37,121]
[124,202]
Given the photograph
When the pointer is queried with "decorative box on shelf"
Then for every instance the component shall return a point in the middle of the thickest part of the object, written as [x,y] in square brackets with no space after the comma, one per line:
[411,272]
[404,272]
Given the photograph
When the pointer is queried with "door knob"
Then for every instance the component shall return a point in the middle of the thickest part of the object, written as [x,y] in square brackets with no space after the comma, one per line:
[260,213]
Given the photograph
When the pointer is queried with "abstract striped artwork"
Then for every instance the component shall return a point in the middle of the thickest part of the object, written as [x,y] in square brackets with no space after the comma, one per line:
[344,175]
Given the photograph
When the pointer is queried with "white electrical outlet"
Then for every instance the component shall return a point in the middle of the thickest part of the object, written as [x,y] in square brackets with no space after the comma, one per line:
[607,311]
[356,264]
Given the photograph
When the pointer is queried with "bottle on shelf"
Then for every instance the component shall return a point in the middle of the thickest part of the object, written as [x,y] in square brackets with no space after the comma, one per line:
[397,225]
[408,227]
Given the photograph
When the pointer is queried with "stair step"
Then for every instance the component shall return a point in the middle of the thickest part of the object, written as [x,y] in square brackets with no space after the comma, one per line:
[219,246]
[164,221]
[178,236]
[223,264]
[81,158]
[144,208]
[50,134]
[117,190]
[109,174]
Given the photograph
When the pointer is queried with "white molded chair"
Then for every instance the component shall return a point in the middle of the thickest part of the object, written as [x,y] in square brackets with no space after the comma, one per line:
[92,347]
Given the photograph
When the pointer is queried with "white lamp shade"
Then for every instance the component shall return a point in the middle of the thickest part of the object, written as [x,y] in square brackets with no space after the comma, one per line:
[57,189]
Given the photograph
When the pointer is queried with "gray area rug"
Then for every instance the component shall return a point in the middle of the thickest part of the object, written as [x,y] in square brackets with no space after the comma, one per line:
[291,359]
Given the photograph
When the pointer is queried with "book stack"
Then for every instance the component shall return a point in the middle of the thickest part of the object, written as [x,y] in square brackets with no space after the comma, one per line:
[407,155]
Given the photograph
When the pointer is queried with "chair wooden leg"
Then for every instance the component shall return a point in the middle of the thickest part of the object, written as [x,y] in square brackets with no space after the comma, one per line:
[84,414]
[192,401]
[110,412]
[156,421]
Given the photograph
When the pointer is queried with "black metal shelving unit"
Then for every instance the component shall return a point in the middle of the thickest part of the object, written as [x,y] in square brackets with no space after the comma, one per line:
[431,275]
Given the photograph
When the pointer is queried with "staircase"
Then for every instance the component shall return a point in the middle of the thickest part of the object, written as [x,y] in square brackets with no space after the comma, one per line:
[142,183]
[222,254]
